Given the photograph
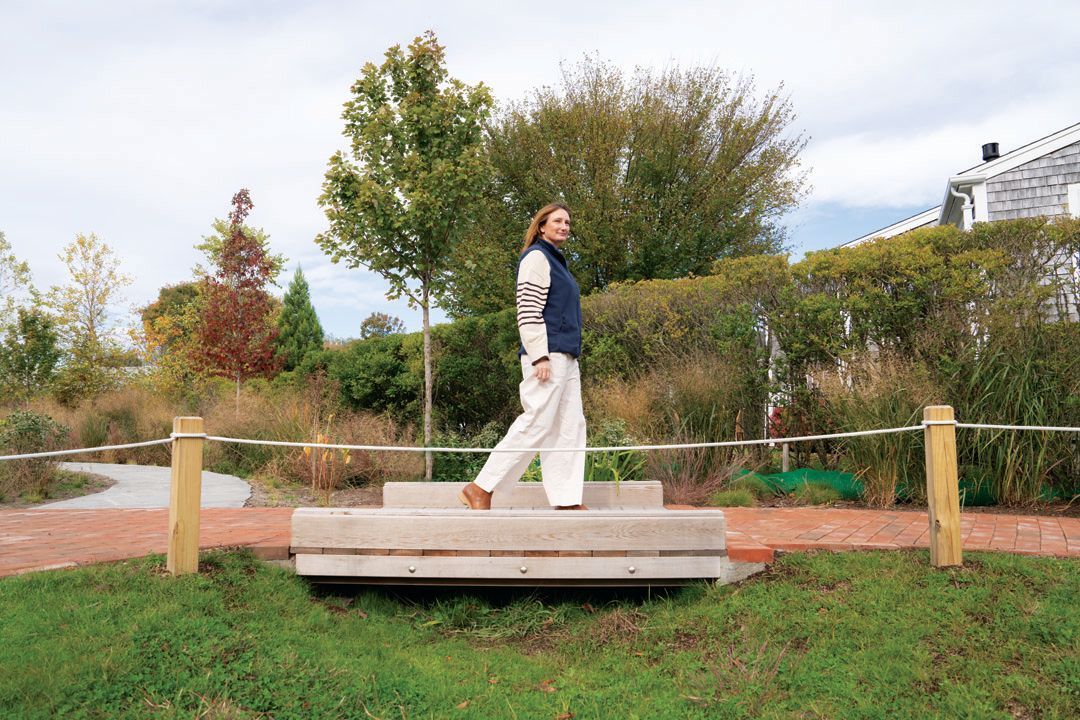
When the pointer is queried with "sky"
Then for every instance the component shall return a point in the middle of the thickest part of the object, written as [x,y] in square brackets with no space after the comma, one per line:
[137,120]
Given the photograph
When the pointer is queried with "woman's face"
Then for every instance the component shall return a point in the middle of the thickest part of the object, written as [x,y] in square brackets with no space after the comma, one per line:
[556,228]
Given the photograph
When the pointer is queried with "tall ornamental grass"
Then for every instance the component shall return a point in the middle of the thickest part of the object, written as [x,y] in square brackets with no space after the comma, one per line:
[876,392]
[1030,378]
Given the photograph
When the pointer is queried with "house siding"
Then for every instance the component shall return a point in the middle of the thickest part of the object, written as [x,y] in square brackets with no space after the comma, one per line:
[1037,188]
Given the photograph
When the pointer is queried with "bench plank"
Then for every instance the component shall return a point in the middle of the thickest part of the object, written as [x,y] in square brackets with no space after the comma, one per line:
[633,493]
[505,530]
[509,568]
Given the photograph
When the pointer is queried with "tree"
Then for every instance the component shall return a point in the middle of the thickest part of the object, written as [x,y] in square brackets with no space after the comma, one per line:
[213,245]
[14,277]
[299,331]
[237,333]
[29,354]
[379,324]
[395,202]
[665,172]
[170,334]
[82,310]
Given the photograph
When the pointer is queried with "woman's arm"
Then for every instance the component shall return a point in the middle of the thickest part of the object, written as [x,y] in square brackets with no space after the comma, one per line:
[533,284]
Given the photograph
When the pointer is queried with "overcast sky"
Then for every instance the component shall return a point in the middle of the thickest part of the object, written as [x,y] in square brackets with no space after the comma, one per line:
[138,120]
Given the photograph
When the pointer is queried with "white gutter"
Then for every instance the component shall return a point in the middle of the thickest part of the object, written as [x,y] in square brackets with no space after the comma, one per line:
[952,190]
[967,209]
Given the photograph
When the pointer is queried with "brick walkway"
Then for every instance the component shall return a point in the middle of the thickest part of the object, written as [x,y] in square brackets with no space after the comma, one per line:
[46,539]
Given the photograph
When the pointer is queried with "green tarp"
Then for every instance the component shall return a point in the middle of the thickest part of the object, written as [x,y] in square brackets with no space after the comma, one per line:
[851,488]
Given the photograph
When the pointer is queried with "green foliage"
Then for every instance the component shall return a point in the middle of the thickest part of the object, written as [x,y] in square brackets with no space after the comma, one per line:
[613,465]
[14,279]
[813,493]
[664,172]
[82,309]
[477,371]
[733,498]
[171,330]
[379,374]
[457,467]
[1023,375]
[395,202]
[29,353]
[820,635]
[84,374]
[172,300]
[299,330]
[21,432]
[214,244]
[882,392]
[754,485]
[377,324]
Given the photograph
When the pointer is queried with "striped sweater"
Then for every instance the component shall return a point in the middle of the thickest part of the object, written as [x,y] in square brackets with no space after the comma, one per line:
[548,304]
[533,286]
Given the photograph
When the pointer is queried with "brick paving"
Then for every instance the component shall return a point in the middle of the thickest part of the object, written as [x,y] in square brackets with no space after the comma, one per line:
[46,539]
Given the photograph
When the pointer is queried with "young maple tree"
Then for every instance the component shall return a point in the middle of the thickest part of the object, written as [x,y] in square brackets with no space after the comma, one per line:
[237,332]
[397,201]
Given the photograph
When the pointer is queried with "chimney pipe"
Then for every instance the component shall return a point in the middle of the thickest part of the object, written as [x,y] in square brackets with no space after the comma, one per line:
[990,152]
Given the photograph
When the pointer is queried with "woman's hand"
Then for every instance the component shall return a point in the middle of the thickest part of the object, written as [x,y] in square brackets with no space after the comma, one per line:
[543,370]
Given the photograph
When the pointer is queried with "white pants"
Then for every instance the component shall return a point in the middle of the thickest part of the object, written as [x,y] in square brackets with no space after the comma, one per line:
[553,417]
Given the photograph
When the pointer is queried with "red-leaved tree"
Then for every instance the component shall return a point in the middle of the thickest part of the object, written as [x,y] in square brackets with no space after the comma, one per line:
[237,330]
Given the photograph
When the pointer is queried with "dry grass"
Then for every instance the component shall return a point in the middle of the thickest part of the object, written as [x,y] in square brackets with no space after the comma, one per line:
[310,416]
[134,413]
[126,415]
[691,399]
[881,392]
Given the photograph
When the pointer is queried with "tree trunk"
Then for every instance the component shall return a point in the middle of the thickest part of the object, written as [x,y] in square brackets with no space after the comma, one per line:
[237,409]
[428,460]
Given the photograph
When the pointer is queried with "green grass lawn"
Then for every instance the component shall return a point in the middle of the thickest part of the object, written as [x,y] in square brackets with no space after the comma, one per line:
[860,635]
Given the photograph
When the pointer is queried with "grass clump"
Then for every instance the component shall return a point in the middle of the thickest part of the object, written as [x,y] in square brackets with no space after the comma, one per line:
[814,493]
[733,498]
[755,485]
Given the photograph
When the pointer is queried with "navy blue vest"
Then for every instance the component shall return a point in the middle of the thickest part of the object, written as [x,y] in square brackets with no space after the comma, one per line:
[562,313]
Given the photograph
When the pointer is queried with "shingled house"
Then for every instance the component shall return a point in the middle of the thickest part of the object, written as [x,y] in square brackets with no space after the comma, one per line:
[1041,178]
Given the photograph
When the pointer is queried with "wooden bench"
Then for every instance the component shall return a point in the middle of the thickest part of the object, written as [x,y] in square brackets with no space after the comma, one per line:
[423,535]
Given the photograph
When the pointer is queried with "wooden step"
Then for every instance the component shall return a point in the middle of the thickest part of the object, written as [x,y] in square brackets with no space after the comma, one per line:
[511,546]
[507,530]
[634,493]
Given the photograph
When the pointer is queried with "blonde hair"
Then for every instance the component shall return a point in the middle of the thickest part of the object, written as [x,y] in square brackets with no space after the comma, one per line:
[533,233]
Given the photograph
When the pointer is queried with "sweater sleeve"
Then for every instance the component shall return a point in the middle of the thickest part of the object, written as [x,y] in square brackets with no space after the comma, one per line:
[533,284]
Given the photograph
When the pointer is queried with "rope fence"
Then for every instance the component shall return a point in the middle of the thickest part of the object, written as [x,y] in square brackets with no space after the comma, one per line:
[188,439]
[611,448]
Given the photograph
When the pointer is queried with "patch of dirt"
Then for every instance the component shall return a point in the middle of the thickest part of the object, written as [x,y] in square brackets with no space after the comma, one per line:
[302,496]
[94,484]
[619,625]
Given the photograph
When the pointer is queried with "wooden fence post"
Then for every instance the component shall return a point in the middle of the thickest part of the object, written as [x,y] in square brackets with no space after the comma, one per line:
[942,486]
[185,496]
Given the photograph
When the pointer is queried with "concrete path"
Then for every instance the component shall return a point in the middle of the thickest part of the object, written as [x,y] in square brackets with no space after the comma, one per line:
[43,539]
[147,486]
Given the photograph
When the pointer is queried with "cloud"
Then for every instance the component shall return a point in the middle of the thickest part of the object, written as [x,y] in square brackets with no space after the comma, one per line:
[138,121]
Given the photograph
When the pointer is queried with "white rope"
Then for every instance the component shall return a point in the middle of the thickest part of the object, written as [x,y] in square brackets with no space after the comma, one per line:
[55,453]
[1047,428]
[616,448]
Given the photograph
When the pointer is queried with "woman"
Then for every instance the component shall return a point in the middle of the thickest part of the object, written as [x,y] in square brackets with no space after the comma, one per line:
[549,323]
